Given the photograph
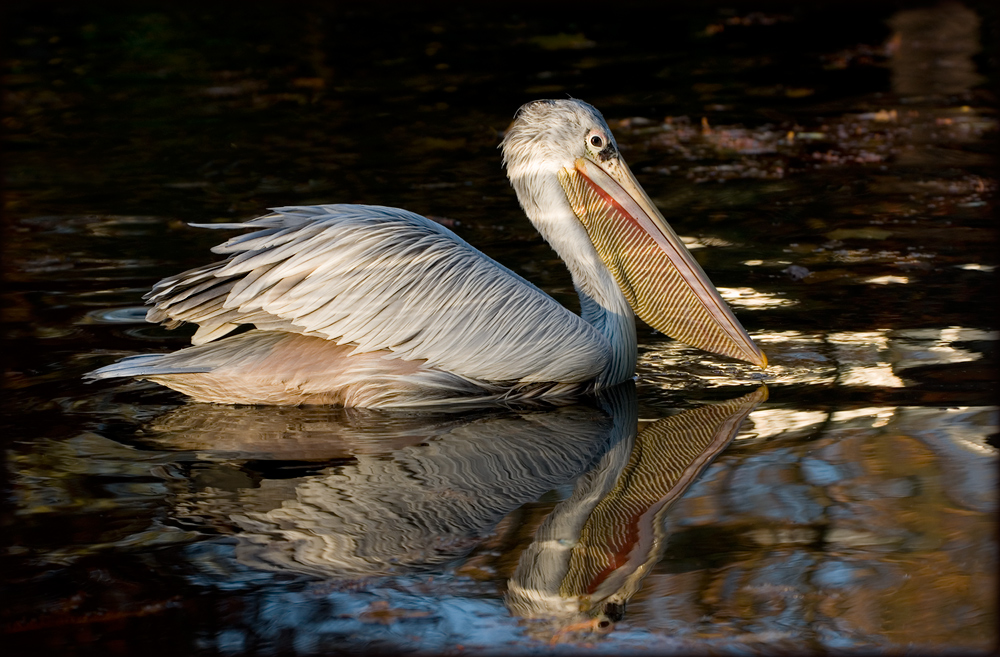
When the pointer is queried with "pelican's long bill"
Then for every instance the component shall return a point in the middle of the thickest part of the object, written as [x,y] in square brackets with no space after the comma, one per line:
[663,283]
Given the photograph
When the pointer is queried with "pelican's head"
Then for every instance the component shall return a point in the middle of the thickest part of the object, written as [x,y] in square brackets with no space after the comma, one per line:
[572,182]
[553,134]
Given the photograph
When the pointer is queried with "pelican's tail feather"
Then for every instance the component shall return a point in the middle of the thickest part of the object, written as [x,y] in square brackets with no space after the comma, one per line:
[141,366]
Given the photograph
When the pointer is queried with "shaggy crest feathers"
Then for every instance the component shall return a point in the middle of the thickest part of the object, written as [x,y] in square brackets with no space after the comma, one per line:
[536,140]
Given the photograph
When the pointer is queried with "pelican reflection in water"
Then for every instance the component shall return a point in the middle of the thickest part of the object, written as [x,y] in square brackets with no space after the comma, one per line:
[429,504]
[591,553]
[372,306]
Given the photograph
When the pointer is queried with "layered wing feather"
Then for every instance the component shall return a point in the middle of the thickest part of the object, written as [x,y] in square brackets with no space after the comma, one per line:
[383,279]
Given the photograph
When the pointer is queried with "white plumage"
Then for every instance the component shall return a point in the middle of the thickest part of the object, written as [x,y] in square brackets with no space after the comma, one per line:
[386,279]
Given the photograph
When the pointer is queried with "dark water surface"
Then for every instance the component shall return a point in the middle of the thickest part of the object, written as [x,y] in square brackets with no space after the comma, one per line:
[832,169]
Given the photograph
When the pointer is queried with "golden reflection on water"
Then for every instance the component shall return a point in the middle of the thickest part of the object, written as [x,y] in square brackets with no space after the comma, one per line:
[751,299]
[888,280]
[770,423]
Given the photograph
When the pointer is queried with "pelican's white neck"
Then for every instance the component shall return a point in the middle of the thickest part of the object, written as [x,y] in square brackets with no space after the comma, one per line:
[602,302]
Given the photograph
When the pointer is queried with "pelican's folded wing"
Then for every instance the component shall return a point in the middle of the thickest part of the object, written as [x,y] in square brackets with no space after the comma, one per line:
[383,279]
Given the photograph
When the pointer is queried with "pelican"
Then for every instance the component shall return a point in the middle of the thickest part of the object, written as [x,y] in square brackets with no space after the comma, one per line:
[372,306]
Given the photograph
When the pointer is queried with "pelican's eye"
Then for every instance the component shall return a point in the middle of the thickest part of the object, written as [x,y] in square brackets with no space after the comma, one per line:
[600,146]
